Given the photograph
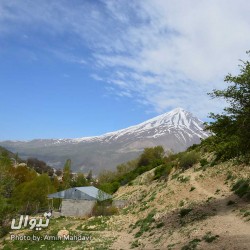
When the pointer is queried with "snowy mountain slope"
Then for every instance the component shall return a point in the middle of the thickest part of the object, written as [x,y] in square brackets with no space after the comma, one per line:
[175,130]
[176,121]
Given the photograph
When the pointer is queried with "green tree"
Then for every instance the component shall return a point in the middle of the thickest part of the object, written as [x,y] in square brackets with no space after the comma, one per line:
[80,181]
[126,167]
[23,174]
[55,182]
[16,157]
[109,188]
[7,184]
[5,160]
[89,176]
[151,156]
[7,181]
[232,128]
[5,215]
[107,176]
[67,176]
[32,195]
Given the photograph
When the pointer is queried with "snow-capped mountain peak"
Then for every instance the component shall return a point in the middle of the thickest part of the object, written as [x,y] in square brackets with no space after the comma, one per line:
[175,130]
[177,119]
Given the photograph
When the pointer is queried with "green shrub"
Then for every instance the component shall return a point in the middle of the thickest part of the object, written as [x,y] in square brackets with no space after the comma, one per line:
[227,148]
[28,195]
[135,244]
[209,237]
[161,224]
[242,188]
[203,162]
[217,191]
[192,244]
[175,176]
[5,216]
[104,208]
[110,188]
[247,213]
[188,159]
[230,176]
[183,179]
[194,146]
[192,189]
[229,203]
[185,211]
[213,163]
[151,156]
[181,204]
[162,171]
[144,224]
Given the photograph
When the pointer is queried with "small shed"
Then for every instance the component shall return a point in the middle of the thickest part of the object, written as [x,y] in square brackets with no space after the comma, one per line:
[79,201]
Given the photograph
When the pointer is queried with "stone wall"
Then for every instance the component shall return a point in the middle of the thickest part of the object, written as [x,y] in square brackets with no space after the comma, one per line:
[77,207]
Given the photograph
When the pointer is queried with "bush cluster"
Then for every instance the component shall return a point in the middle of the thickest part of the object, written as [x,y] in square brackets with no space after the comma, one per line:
[242,188]
[125,173]
[188,159]
[162,171]
[144,224]
[104,208]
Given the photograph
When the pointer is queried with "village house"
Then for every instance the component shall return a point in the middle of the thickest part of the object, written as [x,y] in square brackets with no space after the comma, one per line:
[79,201]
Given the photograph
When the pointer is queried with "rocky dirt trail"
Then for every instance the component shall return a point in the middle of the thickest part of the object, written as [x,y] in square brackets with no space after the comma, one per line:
[198,187]
[123,241]
[233,230]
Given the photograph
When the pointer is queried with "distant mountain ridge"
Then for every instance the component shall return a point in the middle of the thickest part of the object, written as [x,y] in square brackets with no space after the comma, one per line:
[175,130]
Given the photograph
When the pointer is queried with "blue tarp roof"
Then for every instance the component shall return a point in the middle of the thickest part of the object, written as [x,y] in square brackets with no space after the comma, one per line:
[82,193]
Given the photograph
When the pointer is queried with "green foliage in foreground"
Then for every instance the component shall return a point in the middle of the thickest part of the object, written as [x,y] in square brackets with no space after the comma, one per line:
[232,128]
[22,190]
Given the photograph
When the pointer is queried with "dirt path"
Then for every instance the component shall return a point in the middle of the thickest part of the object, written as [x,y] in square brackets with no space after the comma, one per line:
[198,187]
[231,228]
[123,241]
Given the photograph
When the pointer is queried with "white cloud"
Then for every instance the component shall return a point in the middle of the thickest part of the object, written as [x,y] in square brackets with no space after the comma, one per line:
[182,51]
[165,53]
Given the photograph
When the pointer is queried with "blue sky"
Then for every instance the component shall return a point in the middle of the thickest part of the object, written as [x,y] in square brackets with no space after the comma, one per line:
[80,68]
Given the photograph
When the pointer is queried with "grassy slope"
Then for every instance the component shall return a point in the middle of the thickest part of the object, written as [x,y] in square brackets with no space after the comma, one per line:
[10,154]
[194,209]
[4,150]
